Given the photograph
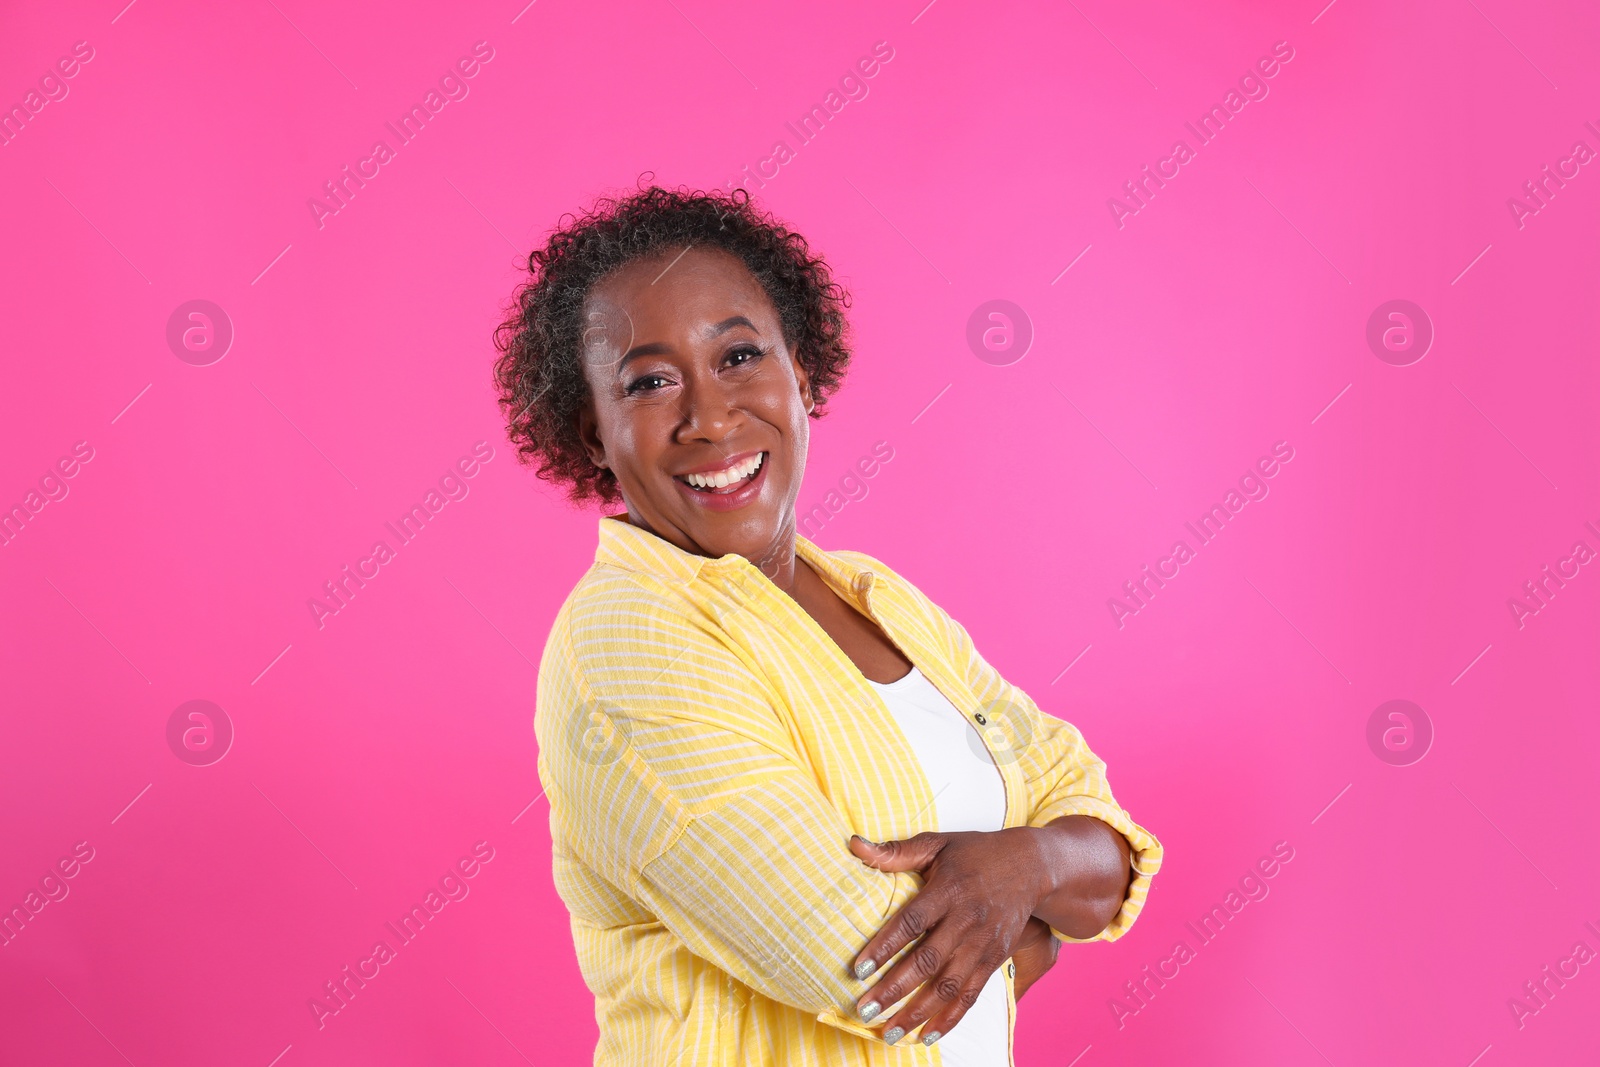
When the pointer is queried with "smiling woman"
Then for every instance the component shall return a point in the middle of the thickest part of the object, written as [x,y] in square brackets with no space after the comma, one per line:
[730,718]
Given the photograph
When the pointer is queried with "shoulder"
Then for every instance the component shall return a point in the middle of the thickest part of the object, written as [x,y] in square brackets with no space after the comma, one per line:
[655,646]
[645,653]
[615,613]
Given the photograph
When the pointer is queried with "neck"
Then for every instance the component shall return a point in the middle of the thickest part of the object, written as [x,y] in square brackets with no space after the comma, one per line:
[777,559]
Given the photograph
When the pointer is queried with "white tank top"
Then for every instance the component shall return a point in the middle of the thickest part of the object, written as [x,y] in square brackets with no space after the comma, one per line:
[968,795]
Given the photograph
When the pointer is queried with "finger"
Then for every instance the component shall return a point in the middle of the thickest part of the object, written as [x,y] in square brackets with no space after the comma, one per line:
[923,962]
[944,1002]
[908,854]
[915,917]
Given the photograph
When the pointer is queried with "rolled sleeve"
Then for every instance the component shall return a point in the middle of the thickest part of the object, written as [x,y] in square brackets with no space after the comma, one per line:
[1074,784]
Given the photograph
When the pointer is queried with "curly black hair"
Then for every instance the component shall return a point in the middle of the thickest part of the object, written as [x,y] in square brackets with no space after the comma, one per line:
[539,373]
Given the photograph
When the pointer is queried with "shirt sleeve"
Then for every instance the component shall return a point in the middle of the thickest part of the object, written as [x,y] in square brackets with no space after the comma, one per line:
[1063,776]
[670,775]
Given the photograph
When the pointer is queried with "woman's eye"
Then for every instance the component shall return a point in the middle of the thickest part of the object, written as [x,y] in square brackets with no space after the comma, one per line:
[649,383]
[744,354]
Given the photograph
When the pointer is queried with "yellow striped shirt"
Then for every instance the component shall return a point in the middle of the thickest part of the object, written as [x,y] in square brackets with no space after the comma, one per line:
[707,751]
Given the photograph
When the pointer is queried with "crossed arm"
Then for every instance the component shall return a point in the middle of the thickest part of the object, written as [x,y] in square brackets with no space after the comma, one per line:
[986,897]
[698,809]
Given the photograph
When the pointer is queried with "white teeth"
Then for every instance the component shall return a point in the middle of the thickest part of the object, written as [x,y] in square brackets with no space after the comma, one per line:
[723,479]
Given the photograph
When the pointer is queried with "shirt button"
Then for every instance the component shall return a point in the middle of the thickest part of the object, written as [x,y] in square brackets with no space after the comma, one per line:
[981,720]
[1011,970]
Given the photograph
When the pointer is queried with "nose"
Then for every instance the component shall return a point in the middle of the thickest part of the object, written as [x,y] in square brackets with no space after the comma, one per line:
[711,411]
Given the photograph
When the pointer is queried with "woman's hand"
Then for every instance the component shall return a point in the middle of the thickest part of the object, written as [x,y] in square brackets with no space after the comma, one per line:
[1034,954]
[976,899]
[980,890]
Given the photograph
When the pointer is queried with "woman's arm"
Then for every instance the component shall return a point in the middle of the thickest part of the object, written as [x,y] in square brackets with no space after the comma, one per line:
[1062,775]
[1034,955]
[1084,871]
[1038,948]
[670,777]
[982,893]
[1079,863]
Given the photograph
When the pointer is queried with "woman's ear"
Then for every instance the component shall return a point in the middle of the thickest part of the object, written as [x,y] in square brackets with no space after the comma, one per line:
[589,434]
[804,381]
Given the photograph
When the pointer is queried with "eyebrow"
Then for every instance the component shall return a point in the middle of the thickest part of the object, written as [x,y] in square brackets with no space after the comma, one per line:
[656,348]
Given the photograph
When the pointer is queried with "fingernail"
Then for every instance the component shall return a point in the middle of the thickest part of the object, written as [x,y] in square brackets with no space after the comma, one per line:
[869,1011]
[893,1034]
[931,1037]
[865,968]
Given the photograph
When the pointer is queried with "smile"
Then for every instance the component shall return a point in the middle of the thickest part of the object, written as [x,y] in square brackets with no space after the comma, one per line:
[728,479]
[730,488]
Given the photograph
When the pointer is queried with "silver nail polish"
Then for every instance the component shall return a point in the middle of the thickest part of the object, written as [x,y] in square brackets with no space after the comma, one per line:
[865,968]
[893,1034]
[869,1011]
[931,1036]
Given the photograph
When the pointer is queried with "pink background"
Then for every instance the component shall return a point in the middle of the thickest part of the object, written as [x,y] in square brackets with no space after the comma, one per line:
[373,753]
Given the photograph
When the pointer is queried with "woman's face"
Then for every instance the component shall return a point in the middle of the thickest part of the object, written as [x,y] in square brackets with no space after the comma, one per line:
[691,381]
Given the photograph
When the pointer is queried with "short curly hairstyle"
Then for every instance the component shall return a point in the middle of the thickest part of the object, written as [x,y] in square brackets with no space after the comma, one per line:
[539,376]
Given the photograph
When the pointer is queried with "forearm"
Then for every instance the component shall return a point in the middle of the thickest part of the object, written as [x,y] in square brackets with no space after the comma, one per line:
[761,889]
[1084,868]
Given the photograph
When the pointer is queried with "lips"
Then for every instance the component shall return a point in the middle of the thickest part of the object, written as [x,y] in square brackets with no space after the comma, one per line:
[732,485]
[727,478]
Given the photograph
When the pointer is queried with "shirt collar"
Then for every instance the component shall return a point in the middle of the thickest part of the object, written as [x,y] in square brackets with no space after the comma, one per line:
[626,546]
